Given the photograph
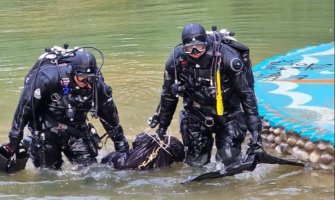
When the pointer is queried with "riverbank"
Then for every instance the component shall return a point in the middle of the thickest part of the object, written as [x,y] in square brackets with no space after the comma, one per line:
[295,94]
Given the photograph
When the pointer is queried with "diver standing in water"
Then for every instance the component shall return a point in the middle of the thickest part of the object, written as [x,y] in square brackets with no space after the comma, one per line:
[216,83]
[60,90]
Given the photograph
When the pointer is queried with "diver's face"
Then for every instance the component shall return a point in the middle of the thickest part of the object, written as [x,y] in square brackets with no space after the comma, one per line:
[197,55]
[83,81]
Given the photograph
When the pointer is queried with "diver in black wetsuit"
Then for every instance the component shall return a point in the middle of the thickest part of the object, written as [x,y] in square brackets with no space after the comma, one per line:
[60,90]
[218,97]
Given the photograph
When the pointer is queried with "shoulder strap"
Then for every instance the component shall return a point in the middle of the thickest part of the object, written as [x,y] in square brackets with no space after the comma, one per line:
[65,80]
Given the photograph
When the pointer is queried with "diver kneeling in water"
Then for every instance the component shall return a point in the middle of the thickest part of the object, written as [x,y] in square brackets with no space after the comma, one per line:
[148,152]
[216,83]
[60,90]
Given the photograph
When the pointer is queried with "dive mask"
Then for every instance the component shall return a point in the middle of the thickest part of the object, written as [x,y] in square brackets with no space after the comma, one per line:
[194,47]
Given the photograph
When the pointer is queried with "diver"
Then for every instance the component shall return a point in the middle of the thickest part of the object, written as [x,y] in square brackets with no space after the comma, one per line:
[215,82]
[60,90]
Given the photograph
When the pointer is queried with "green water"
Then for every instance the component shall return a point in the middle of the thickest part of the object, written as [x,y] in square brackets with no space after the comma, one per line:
[136,38]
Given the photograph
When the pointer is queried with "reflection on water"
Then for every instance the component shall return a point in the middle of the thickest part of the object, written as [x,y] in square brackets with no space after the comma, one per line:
[137,38]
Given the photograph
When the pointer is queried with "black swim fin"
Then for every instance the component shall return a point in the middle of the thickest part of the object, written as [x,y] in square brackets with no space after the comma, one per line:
[248,164]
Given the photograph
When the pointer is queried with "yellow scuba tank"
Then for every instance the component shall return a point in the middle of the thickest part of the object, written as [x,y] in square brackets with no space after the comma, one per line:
[219,99]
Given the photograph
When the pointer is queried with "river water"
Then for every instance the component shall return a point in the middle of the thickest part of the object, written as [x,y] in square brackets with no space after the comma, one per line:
[136,38]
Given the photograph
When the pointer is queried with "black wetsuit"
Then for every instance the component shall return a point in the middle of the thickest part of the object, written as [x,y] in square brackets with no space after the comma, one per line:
[56,109]
[199,119]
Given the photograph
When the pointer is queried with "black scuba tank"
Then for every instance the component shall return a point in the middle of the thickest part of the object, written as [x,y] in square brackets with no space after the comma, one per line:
[228,39]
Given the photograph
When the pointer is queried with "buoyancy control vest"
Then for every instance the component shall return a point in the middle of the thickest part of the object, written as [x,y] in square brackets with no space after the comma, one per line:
[197,78]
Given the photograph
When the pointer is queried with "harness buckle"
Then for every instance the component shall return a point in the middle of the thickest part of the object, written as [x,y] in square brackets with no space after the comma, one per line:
[209,121]
[65,81]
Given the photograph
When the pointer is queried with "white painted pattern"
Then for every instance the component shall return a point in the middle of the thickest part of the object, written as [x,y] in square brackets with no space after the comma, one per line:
[298,98]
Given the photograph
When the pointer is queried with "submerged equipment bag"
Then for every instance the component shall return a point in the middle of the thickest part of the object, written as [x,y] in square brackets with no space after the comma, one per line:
[148,152]
[9,165]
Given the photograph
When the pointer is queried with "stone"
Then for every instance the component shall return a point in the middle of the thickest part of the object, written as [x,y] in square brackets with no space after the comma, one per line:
[265,132]
[300,154]
[326,158]
[270,138]
[309,146]
[278,149]
[277,139]
[291,141]
[330,149]
[264,137]
[316,166]
[283,136]
[326,167]
[314,157]
[285,148]
[300,143]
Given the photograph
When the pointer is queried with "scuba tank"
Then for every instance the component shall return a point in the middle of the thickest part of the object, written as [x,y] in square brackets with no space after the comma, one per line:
[227,37]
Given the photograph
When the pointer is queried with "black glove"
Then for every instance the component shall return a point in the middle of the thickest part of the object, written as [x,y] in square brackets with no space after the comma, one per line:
[161,132]
[13,145]
[153,121]
[121,146]
[256,139]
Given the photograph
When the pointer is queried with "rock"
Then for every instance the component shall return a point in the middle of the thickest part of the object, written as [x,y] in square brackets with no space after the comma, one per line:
[265,132]
[316,166]
[326,167]
[278,149]
[277,139]
[321,146]
[295,151]
[291,141]
[285,148]
[283,135]
[300,143]
[270,138]
[277,131]
[330,149]
[309,146]
[326,158]
[314,157]
[271,129]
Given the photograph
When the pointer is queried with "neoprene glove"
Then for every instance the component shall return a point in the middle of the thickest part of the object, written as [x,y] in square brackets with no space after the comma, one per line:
[256,139]
[121,146]
[153,121]
[161,132]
